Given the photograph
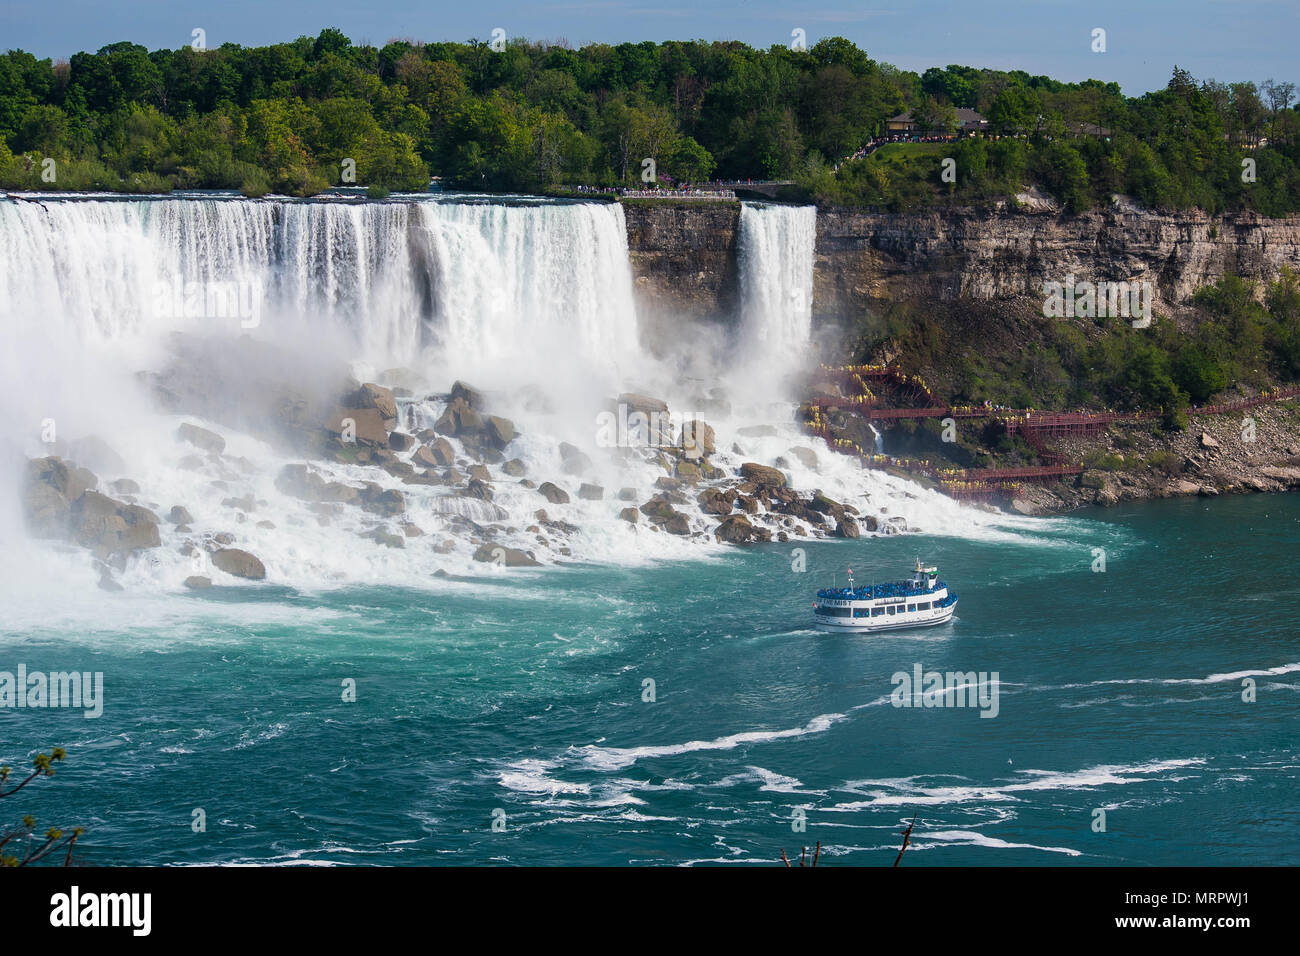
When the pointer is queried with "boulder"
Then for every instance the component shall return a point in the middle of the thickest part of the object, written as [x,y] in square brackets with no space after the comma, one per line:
[400,441]
[762,475]
[430,456]
[201,438]
[338,492]
[735,529]
[717,501]
[659,509]
[180,515]
[459,418]
[629,515]
[377,397]
[299,481]
[1207,441]
[386,501]
[687,471]
[239,563]
[643,404]
[698,439]
[108,527]
[386,538]
[45,509]
[846,527]
[479,489]
[825,505]
[627,494]
[575,460]
[591,492]
[509,557]
[479,473]
[500,430]
[805,456]
[197,582]
[677,524]
[125,486]
[467,393]
[553,493]
[49,488]
[369,427]
[514,468]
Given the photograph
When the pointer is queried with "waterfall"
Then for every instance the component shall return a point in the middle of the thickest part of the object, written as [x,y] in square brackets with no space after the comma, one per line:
[475,279]
[513,280]
[776,274]
[531,301]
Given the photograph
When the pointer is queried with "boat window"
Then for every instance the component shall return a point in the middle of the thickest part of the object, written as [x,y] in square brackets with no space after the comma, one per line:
[924,606]
[877,611]
[892,609]
[911,607]
[833,611]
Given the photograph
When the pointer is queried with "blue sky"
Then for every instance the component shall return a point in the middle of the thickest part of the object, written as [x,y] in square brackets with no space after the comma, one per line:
[1228,40]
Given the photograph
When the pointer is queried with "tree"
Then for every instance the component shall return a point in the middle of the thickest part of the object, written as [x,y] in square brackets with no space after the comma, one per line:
[20,840]
[689,161]
[934,117]
[1013,111]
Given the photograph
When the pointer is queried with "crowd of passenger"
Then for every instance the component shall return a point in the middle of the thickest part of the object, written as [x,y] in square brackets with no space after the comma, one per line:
[661,191]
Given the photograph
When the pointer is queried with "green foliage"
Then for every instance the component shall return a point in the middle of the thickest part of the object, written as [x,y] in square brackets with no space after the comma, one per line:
[1104,461]
[537,116]
[1167,461]
[22,846]
[971,353]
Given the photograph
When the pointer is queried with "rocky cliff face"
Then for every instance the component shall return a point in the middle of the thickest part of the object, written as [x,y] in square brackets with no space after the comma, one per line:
[683,255]
[683,258]
[1002,254]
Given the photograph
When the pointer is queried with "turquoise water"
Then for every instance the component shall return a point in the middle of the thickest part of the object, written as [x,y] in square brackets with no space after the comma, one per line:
[1119,691]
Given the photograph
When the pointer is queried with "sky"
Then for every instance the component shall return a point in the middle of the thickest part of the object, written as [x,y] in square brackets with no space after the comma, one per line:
[1227,40]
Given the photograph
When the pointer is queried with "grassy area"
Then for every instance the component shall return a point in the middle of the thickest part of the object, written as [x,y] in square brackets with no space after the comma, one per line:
[894,153]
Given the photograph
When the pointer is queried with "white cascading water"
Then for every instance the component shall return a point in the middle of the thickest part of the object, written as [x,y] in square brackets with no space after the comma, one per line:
[503,294]
[776,266]
[513,280]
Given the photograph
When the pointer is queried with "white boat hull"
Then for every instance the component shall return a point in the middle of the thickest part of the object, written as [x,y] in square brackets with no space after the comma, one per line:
[862,625]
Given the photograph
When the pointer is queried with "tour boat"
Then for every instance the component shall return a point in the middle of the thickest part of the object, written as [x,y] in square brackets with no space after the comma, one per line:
[921,601]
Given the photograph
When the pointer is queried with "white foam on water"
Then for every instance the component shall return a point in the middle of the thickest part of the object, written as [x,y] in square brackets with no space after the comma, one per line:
[908,791]
[619,758]
[944,838]
[1231,677]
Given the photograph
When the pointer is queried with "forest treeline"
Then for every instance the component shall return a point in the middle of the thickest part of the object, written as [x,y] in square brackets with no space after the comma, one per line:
[298,117]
